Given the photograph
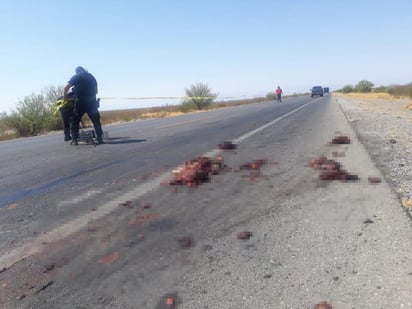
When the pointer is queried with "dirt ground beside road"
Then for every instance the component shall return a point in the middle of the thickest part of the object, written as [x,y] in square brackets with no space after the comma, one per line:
[384,126]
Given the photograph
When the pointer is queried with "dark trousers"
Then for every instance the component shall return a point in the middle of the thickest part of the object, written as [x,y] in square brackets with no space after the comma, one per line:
[89,108]
[67,113]
[279,98]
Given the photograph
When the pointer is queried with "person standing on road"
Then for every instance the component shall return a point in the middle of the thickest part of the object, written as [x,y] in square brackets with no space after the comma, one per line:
[85,86]
[279,93]
[66,108]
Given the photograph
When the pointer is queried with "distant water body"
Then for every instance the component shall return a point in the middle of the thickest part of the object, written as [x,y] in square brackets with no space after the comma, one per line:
[107,104]
[113,104]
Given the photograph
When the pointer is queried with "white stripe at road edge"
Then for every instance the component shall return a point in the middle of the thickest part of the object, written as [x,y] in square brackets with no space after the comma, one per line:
[73,226]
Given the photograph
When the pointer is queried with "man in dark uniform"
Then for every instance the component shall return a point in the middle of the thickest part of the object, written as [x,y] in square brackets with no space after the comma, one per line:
[85,86]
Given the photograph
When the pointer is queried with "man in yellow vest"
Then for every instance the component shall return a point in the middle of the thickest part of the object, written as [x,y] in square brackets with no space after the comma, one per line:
[66,108]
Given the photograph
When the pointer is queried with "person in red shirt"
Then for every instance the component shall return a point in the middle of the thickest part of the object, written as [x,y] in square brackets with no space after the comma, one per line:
[279,93]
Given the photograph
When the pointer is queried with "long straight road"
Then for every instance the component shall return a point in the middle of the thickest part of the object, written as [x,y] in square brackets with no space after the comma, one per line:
[100,227]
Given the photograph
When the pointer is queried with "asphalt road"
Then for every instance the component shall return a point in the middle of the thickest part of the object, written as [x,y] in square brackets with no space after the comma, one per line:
[99,227]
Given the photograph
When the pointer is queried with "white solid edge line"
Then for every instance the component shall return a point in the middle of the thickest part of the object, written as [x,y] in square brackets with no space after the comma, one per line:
[73,226]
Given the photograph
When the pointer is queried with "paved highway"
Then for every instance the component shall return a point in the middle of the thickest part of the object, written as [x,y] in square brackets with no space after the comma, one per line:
[100,227]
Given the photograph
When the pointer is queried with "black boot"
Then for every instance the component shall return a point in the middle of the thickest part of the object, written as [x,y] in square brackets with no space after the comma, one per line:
[74,142]
[99,140]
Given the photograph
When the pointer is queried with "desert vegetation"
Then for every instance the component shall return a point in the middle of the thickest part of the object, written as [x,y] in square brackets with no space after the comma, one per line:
[38,113]
[366,86]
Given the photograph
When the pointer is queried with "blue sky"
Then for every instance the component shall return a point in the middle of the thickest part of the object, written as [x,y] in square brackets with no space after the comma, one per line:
[239,48]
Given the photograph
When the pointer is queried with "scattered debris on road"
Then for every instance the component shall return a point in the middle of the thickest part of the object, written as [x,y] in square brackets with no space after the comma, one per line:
[407,203]
[374,180]
[185,242]
[168,301]
[126,203]
[253,165]
[338,154]
[331,170]
[143,218]
[44,287]
[197,171]
[392,141]
[49,268]
[109,259]
[368,221]
[339,140]
[244,235]
[227,146]
[21,297]
[323,305]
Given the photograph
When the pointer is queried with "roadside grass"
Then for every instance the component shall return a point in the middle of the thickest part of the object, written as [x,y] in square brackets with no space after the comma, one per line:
[366,96]
[129,115]
[375,96]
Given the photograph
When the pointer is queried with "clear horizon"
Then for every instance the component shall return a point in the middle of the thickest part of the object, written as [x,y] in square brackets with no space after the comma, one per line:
[240,49]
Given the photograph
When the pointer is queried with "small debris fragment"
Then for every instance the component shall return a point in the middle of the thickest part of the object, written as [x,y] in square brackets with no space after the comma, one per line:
[338,154]
[22,296]
[44,287]
[143,218]
[253,176]
[350,177]
[108,259]
[146,206]
[331,170]
[374,180]
[368,221]
[217,165]
[168,301]
[244,235]
[49,268]
[227,146]
[197,171]
[267,276]
[185,242]
[407,203]
[3,269]
[342,139]
[392,141]
[323,305]
[254,165]
[126,203]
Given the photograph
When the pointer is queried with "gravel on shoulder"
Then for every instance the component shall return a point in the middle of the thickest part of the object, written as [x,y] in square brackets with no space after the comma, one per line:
[384,127]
